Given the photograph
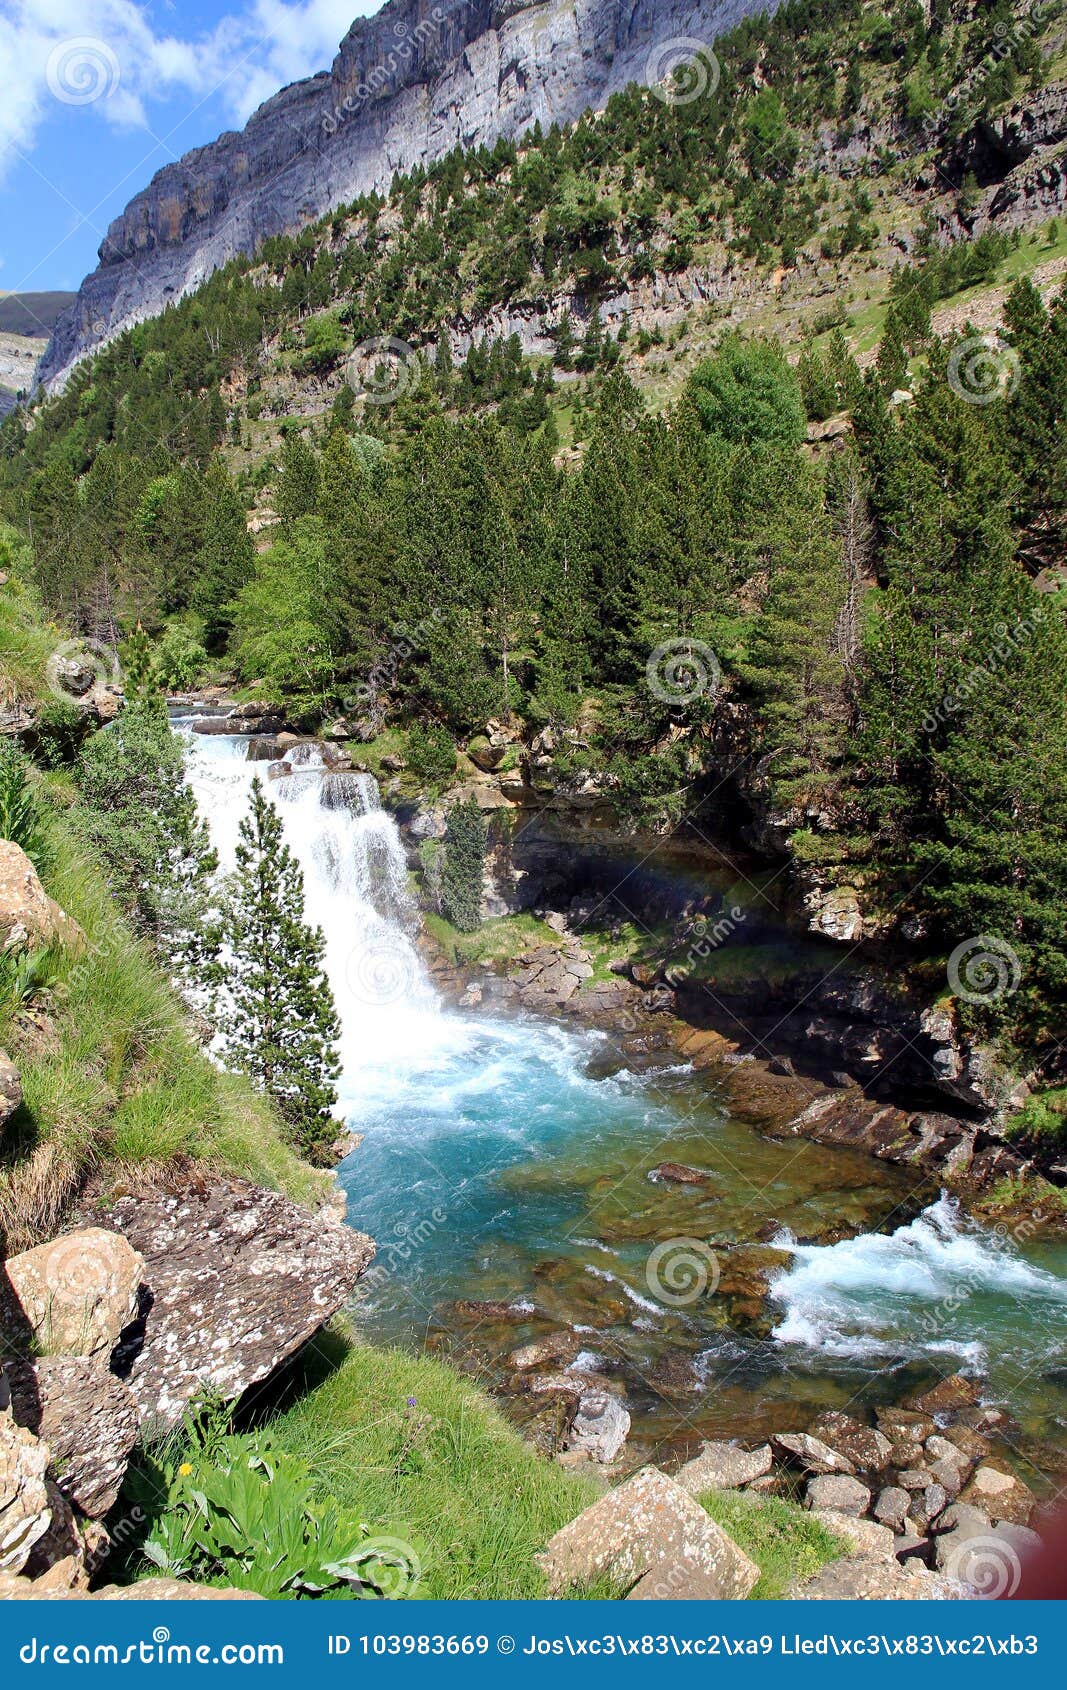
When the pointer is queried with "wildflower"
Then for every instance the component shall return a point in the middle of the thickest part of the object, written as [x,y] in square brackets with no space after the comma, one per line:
[185,1469]
[412,1402]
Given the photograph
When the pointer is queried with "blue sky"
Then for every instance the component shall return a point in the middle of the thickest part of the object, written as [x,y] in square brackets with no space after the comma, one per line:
[98,94]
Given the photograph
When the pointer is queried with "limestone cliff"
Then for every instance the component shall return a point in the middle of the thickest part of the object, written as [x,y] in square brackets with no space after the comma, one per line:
[407,86]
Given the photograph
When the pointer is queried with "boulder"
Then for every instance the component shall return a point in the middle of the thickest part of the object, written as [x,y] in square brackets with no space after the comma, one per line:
[88,1419]
[867,1538]
[926,1505]
[25,1510]
[651,1532]
[28,916]
[867,1449]
[239,1278]
[892,1506]
[72,1296]
[811,1454]
[600,1427]
[838,1491]
[1000,1495]
[722,1466]
[989,1563]
[10,1089]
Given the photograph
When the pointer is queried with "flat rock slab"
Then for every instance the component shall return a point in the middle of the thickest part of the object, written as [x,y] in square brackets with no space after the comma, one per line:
[148,1590]
[1000,1495]
[723,1466]
[88,1419]
[839,1492]
[867,1539]
[803,1450]
[239,1279]
[649,1529]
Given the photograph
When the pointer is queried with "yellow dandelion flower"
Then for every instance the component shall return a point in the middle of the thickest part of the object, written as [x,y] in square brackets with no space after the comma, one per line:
[185,1469]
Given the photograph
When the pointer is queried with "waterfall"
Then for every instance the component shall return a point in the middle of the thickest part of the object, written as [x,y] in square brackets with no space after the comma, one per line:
[355,889]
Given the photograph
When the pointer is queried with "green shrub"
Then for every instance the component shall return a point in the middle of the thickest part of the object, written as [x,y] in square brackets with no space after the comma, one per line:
[461,878]
[431,753]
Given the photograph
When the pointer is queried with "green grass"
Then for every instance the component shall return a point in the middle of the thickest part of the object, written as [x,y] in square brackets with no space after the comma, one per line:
[783,1540]
[25,643]
[495,941]
[118,1078]
[447,1475]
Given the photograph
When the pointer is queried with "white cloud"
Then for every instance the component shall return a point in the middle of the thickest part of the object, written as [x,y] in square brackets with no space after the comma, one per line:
[109,56]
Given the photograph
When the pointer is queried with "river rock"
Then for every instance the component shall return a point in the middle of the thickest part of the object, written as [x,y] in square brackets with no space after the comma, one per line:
[649,1526]
[722,1466]
[925,1507]
[558,1347]
[240,1278]
[1000,1495]
[72,1296]
[25,1512]
[867,1538]
[88,1419]
[676,1173]
[863,1446]
[810,1453]
[953,1393]
[891,1507]
[28,916]
[839,1492]
[600,1427]
[873,1581]
[10,1089]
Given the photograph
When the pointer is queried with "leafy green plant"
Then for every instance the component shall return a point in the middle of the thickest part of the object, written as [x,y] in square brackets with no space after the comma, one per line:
[238,1510]
[24,974]
[20,814]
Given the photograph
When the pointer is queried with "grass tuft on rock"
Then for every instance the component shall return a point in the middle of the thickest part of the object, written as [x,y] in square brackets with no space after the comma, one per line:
[783,1539]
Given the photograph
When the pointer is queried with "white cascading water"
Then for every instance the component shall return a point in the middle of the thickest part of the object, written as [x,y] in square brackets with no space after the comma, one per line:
[355,888]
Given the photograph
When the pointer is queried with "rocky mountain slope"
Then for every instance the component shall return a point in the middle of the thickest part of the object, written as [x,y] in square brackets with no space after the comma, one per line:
[406,87]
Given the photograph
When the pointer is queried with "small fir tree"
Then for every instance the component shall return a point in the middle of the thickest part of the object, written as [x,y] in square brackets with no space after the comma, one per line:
[461,879]
[278,1019]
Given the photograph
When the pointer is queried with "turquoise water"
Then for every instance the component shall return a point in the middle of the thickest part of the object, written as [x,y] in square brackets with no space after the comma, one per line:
[499,1166]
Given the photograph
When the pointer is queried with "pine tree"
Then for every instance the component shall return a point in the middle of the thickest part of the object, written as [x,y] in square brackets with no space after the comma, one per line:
[277,1014]
[461,880]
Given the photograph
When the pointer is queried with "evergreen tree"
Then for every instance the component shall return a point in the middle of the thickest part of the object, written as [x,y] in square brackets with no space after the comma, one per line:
[227,557]
[277,1015]
[461,880]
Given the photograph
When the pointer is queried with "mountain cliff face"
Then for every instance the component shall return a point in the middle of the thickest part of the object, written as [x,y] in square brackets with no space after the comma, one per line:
[406,87]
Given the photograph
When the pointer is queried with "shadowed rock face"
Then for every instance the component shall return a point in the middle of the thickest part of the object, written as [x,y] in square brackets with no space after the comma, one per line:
[407,86]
